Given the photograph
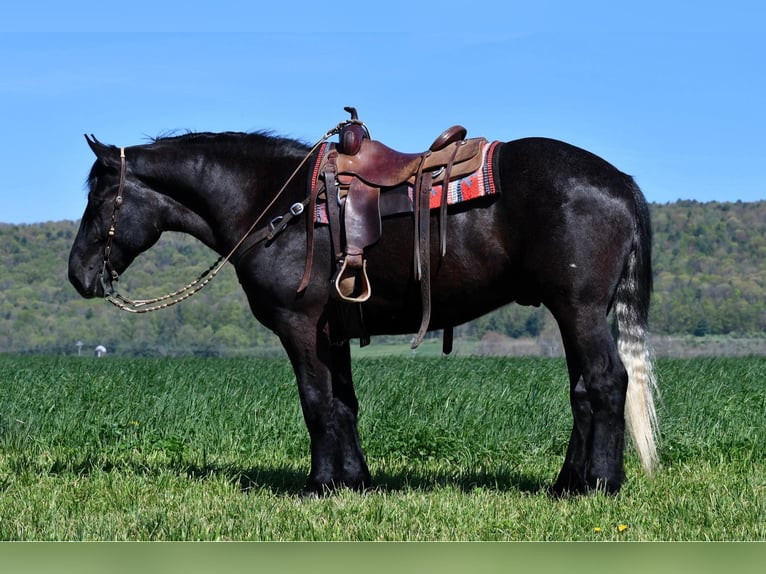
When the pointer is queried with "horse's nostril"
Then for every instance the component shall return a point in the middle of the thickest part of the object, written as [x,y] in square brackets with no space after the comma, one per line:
[80,281]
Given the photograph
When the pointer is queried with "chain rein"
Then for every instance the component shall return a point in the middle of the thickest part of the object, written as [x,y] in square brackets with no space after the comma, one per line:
[148,305]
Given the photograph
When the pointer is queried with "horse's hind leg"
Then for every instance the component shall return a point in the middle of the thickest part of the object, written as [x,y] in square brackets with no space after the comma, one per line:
[598,383]
[572,476]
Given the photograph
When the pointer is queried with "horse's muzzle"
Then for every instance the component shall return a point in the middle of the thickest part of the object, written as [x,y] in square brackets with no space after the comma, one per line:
[89,284]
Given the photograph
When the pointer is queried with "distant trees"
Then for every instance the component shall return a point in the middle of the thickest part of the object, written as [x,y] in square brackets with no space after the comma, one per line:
[709,273]
[710,268]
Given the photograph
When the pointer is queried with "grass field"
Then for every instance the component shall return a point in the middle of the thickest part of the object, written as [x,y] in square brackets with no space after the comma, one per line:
[459,449]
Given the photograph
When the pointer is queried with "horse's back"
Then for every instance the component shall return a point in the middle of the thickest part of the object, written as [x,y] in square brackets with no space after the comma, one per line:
[546,169]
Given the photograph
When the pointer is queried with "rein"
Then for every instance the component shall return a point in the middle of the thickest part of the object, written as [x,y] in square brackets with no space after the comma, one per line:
[148,305]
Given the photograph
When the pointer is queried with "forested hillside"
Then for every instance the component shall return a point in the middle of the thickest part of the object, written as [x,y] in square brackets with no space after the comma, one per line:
[709,266]
[41,311]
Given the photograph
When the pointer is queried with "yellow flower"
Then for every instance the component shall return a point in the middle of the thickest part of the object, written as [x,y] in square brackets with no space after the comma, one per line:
[597,529]
[622,527]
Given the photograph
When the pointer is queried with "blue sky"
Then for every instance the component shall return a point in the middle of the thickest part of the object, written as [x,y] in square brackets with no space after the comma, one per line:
[673,93]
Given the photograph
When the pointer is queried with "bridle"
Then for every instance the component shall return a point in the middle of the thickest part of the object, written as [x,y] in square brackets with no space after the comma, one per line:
[112,227]
[170,299]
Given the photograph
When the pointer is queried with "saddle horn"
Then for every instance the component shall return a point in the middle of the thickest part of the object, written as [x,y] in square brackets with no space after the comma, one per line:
[352,134]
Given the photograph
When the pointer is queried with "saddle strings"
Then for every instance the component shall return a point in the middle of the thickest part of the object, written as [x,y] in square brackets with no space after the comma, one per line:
[148,305]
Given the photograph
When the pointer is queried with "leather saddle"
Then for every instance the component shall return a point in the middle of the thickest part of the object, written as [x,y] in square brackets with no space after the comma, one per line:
[355,174]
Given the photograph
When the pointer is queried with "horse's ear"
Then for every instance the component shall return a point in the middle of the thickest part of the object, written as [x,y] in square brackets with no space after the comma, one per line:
[108,154]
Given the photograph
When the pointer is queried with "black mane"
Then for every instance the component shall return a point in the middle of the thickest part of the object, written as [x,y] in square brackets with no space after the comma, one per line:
[262,142]
[224,144]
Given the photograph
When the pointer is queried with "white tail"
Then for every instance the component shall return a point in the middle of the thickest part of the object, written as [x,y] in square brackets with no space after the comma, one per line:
[634,350]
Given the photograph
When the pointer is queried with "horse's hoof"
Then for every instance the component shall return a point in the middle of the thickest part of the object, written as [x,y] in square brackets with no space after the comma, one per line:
[606,486]
[313,491]
[568,483]
[308,494]
[316,490]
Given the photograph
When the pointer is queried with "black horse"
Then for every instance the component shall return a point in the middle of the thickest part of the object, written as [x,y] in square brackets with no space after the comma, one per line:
[566,230]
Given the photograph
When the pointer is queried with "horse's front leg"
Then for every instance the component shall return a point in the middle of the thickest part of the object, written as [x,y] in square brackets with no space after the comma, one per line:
[355,473]
[330,408]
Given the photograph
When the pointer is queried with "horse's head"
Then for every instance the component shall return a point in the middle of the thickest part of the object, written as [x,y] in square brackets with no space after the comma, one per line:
[121,220]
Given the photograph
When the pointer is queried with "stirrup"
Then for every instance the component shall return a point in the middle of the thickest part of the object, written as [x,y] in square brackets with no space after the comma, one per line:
[351,282]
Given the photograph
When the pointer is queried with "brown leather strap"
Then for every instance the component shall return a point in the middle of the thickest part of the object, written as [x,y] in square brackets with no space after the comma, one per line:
[447,340]
[417,215]
[423,248]
[443,206]
[333,204]
[309,239]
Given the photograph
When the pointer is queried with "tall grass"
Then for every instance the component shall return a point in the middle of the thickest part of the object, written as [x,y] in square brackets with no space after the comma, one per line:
[459,449]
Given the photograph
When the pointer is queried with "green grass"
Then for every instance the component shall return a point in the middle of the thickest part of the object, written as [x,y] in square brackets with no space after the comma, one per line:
[459,449]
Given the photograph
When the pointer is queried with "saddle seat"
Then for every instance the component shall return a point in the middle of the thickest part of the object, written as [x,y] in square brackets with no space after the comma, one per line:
[382,167]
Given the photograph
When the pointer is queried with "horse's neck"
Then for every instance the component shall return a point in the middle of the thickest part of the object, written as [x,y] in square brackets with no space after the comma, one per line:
[216,200]
[184,198]
[185,220]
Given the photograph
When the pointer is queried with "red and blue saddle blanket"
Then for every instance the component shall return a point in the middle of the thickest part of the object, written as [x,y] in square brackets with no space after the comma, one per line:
[480,183]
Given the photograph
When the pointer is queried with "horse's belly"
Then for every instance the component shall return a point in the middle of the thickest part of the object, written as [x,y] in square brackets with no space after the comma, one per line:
[474,277]
[456,297]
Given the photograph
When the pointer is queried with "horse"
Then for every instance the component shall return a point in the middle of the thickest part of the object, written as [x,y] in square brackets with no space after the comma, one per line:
[566,230]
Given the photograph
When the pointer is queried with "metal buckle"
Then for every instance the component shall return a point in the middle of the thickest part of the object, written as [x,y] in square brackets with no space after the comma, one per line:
[274,222]
[296,209]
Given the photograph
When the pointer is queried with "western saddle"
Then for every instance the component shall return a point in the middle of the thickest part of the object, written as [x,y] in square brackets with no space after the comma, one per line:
[352,176]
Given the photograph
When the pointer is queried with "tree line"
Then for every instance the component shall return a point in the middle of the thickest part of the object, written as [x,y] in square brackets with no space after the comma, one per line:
[709,276]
